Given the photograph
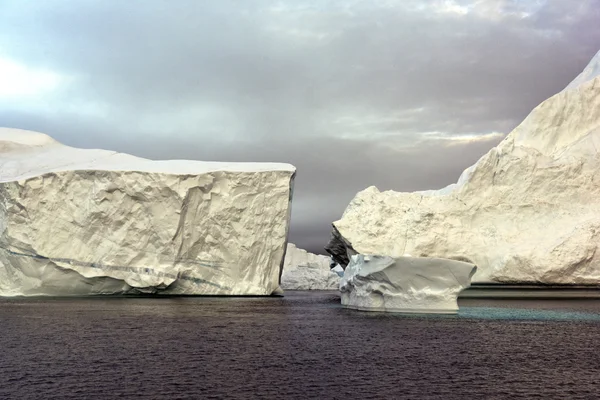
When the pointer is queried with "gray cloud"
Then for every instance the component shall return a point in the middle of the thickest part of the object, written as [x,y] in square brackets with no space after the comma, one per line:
[344,90]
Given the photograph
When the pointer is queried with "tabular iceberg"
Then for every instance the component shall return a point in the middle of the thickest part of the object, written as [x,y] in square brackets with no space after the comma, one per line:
[404,284]
[527,211]
[307,271]
[80,222]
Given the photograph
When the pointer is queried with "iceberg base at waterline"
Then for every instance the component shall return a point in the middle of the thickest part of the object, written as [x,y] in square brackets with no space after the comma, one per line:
[404,284]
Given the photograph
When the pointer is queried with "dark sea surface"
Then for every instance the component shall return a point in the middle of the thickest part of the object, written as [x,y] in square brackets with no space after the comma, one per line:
[303,345]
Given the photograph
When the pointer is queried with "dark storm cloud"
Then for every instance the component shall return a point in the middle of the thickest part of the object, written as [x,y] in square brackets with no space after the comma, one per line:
[344,90]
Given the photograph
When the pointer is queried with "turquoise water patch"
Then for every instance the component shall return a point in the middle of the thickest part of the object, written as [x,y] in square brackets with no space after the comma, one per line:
[488,313]
[497,313]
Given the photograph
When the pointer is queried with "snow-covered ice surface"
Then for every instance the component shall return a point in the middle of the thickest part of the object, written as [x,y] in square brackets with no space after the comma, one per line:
[79,222]
[527,212]
[404,284]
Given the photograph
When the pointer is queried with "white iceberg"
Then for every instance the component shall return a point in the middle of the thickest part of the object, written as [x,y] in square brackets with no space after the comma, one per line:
[80,222]
[303,270]
[527,212]
[404,284]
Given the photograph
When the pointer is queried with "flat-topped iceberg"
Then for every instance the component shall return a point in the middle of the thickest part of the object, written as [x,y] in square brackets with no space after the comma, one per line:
[404,284]
[303,270]
[81,222]
[527,212]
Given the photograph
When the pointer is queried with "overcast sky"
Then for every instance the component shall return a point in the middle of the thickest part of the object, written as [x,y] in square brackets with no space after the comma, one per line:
[399,94]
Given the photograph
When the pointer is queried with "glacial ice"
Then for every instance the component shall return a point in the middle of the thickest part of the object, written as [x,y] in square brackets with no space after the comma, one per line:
[81,222]
[307,271]
[404,284]
[527,212]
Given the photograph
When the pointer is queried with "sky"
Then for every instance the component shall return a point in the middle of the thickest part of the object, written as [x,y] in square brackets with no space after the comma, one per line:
[400,94]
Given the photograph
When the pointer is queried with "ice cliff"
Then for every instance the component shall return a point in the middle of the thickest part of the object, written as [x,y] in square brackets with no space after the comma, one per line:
[527,211]
[79,222]
[307,271]
[404,284]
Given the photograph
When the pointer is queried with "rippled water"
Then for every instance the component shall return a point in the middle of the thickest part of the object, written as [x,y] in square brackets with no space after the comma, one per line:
[300,346]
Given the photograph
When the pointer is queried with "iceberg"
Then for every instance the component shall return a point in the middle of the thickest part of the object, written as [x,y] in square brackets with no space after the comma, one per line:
[527,212]
[404,284]
[307,271]
[84,222]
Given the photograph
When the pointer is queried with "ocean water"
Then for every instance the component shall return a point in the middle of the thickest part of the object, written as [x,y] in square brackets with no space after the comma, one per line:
[303,345]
